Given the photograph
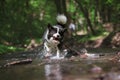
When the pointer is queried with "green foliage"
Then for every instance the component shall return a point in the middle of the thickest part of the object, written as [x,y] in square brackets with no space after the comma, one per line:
[89,37]
[20,20]
[6,49]
[23,20]
[72,7]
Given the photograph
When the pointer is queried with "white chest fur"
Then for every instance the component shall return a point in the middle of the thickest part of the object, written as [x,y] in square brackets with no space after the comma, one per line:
[50,47]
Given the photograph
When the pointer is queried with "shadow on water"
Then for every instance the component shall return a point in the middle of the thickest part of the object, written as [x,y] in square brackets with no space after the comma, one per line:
[82,69]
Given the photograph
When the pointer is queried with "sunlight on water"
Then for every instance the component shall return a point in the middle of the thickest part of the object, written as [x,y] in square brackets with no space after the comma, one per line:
[53,72]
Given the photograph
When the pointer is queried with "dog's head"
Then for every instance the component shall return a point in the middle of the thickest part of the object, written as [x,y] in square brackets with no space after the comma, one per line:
[55,33]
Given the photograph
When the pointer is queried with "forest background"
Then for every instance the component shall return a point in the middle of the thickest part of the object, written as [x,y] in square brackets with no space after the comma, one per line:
[24,21]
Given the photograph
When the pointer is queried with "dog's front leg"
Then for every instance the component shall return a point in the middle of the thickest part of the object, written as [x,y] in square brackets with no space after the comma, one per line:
[57,56]
[47,53]
[58,53]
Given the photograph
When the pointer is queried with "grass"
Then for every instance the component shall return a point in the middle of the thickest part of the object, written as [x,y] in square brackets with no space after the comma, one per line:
[7,49]
[89,37]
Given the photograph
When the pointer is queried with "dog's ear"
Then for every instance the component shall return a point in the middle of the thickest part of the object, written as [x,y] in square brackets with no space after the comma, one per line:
[49,26]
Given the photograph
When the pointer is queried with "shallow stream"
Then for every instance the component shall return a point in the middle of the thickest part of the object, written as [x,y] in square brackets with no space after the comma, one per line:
[80,69]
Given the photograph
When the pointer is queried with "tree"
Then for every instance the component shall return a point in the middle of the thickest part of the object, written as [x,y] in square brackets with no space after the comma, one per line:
[86,15]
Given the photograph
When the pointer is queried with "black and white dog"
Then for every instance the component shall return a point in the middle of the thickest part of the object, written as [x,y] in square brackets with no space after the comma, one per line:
[53,38]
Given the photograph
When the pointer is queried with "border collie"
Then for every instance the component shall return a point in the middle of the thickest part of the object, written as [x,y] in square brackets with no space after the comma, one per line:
[53,38]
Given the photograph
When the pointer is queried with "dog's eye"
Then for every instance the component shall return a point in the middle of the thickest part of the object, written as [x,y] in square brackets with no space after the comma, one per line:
[55,29]
[61,31]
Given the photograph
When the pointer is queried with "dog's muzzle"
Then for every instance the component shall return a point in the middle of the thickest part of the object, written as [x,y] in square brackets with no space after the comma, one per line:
[57,38]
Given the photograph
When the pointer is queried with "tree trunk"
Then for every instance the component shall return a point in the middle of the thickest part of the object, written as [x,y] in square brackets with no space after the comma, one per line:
[97,17]
[86,15]
[108,14]
[59,6]
[64,8]
[95,12]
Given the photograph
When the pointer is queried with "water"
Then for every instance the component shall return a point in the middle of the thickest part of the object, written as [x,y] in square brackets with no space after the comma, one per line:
[81,69]
[62,71]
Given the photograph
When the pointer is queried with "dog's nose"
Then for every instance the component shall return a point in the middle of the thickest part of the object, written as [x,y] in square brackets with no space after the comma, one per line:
[58,36]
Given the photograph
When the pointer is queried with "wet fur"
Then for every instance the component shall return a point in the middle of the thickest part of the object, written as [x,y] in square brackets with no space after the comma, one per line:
[53,38]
